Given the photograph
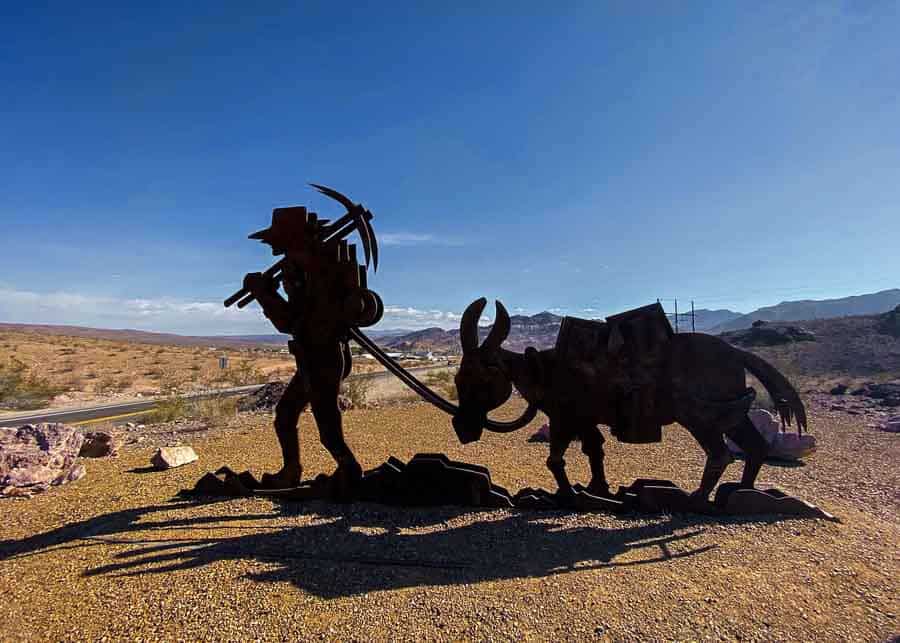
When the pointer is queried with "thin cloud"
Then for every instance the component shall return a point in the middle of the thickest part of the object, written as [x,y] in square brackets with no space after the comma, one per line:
[163,314]
[175,315]
[412,318]
[416,239]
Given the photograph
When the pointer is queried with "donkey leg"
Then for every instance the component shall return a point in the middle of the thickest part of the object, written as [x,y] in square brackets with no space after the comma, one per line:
[718,457]
[755,449]
[592,446]
[559,442]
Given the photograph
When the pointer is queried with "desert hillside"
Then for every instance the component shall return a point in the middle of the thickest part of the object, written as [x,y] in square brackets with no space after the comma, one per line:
[865,304]
[864,346]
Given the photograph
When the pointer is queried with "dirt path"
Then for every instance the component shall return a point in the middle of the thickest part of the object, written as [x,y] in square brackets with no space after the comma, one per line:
[112,555]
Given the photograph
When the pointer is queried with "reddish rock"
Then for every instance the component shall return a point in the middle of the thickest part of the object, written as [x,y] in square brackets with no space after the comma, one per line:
[541,435]
[891,424]
[99,444]
[33,457]
[782,445]
[171,457]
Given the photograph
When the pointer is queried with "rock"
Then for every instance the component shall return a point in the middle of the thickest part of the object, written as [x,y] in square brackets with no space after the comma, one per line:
[263,399]
[75,473]
[769,334]
[840,389]
[18,492]
[885,393]
[99,444]
[33,457]
[890,322]
[782,445]
[541,435]
[891,424]
[171,457]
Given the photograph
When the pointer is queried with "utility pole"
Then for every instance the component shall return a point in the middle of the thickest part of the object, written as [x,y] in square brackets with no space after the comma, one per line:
[676,314]
[693,326]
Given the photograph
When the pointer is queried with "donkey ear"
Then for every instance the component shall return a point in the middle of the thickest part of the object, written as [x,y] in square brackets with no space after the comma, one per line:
[500,331]
[468,325]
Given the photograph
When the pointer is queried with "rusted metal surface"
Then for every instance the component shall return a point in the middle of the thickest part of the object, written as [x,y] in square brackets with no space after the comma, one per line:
[325,296]
[630,373]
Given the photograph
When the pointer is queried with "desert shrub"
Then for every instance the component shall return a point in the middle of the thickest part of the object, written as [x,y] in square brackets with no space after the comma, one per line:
[211,410]
[169,409]
[215,409]
[109,384]
[169,384]
[216,376]
[245,373]
[442,383]
[74,382]
[356,389]
[22,389]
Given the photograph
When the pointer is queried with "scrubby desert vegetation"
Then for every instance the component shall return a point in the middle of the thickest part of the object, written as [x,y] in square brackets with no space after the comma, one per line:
[39,370]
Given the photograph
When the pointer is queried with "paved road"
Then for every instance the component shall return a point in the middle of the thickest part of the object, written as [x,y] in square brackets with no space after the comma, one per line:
[384,385]
[105,411]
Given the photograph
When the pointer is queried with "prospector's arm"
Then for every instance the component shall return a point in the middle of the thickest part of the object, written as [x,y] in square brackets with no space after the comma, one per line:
[273,305]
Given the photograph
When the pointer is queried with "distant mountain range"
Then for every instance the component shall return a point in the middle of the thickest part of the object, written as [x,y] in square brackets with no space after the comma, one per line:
[704,319]
[170,339]
[147,337]
[869,304]
[536,330]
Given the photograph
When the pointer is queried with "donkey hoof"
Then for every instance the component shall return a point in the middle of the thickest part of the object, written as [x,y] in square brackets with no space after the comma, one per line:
[565,499]
[599,490]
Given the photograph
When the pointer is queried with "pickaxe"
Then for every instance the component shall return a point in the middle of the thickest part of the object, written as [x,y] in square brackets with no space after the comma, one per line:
[357,218]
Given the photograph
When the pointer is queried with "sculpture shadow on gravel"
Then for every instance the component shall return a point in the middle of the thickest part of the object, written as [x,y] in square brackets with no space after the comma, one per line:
[348,550]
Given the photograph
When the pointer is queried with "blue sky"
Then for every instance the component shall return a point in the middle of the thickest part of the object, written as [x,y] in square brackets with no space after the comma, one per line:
[579,157]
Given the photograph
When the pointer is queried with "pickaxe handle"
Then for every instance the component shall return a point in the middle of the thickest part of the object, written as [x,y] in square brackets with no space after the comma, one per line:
[273,270]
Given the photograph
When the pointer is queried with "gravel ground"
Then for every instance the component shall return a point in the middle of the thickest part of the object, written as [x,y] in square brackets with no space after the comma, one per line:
[114,557]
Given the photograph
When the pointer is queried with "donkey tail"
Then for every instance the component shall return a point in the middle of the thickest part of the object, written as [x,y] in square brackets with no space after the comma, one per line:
[787,401]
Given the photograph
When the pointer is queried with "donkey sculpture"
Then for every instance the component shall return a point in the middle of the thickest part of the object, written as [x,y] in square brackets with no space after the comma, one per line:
[700,384]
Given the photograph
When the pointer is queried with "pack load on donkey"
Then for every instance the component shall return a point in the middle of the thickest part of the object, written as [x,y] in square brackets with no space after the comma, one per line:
[634,342]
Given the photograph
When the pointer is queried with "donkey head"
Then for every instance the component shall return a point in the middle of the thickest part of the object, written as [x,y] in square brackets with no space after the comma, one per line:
[482,382]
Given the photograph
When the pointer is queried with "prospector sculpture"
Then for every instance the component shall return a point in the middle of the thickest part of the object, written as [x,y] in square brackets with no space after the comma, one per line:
[631,373]
[326,296]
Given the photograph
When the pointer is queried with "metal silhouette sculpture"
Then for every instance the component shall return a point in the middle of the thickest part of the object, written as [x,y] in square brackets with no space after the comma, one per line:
[631,373]
[327,294]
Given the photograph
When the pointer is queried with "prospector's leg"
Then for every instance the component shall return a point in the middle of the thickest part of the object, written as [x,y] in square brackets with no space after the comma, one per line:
[326,382]
[287,413]
[755,449]
[592,446]
[718,457]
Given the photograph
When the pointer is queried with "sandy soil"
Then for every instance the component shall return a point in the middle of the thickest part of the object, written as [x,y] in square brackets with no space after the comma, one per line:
[100,370]
[114,556]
